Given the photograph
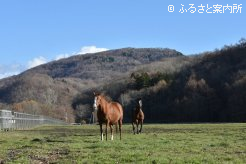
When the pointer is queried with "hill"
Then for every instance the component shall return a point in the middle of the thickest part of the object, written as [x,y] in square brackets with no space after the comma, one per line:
[51,89]
[104,65]
[209,87]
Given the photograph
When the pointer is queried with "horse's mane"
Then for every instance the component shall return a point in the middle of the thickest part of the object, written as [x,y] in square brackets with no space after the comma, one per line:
[107,98]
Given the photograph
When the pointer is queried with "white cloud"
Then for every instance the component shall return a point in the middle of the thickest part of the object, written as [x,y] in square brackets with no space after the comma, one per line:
[36,62]
[91,49]
[83,50]
[10,70]
[61,56]
[15,69]
[8,74]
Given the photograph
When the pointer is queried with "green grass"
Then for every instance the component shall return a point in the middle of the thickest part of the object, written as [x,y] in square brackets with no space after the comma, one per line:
[159,143]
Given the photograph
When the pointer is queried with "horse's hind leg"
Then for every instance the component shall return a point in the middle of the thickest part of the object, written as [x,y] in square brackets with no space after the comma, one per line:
[137,127]
[133,127]
[107,124]
[111,130]
[120,125]
[141,126]
[116,128]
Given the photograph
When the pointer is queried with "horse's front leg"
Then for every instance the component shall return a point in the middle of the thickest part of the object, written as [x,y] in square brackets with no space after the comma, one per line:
[101,132]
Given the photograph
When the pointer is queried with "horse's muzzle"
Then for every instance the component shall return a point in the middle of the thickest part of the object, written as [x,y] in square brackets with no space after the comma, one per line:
[94,107]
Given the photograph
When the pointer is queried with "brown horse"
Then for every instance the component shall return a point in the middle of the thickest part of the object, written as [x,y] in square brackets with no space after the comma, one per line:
[138,117]
[110,113]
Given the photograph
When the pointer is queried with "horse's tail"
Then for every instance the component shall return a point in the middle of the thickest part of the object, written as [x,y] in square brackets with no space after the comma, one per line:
[132,114]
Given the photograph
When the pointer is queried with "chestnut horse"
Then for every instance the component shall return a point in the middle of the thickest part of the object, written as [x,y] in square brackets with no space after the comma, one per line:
[138,116]
[110,113]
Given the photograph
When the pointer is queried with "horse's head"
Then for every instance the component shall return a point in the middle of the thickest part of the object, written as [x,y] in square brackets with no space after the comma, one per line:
[140,103]
[97,101]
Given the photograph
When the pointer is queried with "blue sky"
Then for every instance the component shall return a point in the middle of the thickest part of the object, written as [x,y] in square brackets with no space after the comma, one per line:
[36,32]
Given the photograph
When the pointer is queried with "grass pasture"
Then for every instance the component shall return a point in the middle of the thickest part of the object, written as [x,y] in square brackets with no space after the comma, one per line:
[159,143]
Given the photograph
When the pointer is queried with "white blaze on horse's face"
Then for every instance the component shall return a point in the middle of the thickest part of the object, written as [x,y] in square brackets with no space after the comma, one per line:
[95,103]
[140,103]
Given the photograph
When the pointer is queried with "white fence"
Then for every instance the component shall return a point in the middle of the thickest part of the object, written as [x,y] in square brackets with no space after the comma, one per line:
[14,120]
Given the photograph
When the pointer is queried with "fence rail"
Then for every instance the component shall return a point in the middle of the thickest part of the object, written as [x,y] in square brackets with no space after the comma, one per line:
[14,120]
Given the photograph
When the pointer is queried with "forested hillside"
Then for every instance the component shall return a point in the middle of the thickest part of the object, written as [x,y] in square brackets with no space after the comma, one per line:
[208,87]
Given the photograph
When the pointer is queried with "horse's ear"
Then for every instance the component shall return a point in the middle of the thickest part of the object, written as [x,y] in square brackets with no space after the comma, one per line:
[96,93]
